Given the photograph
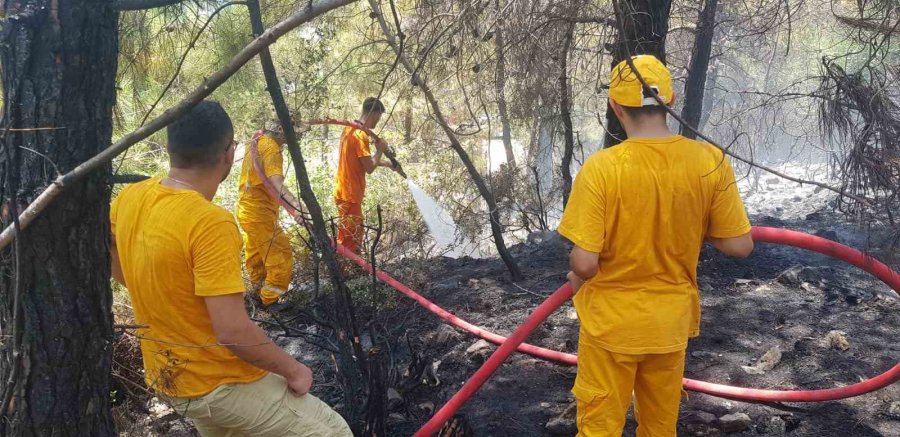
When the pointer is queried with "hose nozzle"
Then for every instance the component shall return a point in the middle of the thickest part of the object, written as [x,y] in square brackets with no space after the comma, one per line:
[399,169]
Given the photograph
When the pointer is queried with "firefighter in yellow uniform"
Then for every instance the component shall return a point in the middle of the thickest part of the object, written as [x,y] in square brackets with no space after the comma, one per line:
[267,248]
[638,215]
[179,255]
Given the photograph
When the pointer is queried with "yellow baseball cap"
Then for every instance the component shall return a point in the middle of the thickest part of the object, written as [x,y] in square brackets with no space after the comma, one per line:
[626,90]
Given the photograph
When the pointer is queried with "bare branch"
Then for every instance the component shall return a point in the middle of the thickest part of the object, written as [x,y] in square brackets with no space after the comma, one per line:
[138,5]
[486,194]
[867,24]
[574,19]
[215,80]
[185,55]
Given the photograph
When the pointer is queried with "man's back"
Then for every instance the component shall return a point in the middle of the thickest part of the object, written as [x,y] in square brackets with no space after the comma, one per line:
[254,202]
[646,206]
[175,248]
[350,183]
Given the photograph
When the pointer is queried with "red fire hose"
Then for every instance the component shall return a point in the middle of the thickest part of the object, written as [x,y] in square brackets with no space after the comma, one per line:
[357,125]
[515,341]
[559,297]
[771,235]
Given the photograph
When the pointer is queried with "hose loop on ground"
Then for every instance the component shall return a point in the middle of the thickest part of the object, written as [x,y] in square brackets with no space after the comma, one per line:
[560,296]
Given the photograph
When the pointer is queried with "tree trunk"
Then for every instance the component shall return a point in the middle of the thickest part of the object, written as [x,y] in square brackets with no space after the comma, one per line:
[712,80]
[696,80]
[351,358]
[565,112]
[308,12]
[543,157]
[408,120]
[646,24]
[59,68]
[139,5]
[493,210]
[500,87]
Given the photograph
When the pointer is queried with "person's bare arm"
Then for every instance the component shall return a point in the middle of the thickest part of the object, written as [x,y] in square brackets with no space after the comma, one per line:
[235,330]
[584,265]
[741,246]
[381,150]
[370,163]
[114,261]
[278,182]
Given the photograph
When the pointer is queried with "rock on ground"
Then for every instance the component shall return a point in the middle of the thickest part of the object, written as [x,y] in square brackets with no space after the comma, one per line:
[445,334]
[767,362]
[776,425]
[564,424]
[837,340]
[734,422]
[479,351]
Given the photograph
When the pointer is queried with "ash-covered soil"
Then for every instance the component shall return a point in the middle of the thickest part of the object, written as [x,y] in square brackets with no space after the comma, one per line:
[783,319]
[831,324]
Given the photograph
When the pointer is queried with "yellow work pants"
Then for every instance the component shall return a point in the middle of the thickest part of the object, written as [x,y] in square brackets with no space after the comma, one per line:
[270,261]
[606,381]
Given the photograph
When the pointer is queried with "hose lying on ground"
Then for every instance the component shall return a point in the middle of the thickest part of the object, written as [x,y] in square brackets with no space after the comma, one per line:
[771,235]
[516,341]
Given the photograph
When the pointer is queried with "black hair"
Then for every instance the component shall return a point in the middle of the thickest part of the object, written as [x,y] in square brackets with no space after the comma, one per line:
[372,104]
[644,111]
[198,138]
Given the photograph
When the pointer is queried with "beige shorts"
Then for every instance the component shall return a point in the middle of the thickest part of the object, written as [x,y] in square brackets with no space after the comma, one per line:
[262,408]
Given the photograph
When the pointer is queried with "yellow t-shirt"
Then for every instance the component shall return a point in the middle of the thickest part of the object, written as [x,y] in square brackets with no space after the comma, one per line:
[350,183]
[175,248]
[254,202]
[646,206]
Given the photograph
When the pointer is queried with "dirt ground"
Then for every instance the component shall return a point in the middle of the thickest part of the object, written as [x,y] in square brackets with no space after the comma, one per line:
[780,297]
[747,310]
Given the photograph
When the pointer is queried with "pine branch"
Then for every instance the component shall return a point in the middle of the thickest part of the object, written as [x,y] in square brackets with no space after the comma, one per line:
[139,5]
[58,186]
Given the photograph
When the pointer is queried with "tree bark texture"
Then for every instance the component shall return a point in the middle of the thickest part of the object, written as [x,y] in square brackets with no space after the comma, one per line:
[351,358]
[486,194]
[138,5]
[712,80]
[46,198]
[500,87]
[58,72]
[696,81]
[565,113]
[646,24]
[408,120]
[543,154]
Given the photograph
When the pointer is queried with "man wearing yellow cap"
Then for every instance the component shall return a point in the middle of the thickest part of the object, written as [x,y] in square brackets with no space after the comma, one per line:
[638,215]
[267,248]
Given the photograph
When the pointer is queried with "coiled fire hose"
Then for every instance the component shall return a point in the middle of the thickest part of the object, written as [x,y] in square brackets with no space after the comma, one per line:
[561,295]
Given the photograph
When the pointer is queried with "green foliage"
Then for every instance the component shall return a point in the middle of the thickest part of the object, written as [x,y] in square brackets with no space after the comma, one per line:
[328,67]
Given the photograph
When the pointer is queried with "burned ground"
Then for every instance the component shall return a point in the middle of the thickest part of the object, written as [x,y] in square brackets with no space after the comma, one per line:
[833,324]
[779,297]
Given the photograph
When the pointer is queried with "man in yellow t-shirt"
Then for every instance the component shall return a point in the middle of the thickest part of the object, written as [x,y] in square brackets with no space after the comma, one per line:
[267,248]
[638,215]
[179,256]
[354,163]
